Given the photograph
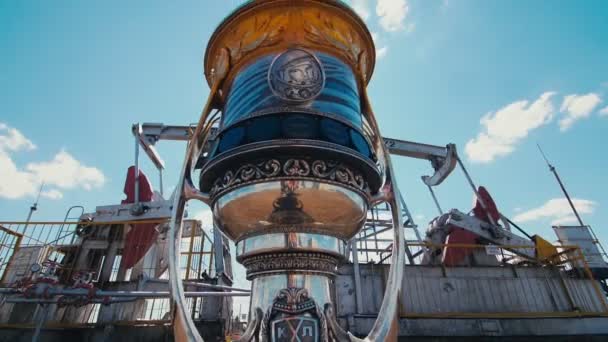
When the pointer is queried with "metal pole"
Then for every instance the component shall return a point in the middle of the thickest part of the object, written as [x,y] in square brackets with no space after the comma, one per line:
[137,169]
[40,323]
[561,185]
[143,294]
[56,301]
[160,176]
[33,208]
[202,285]
[358,295]
[435,199]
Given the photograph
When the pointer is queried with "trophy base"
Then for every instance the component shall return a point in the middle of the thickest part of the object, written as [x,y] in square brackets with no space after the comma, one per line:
[292,278]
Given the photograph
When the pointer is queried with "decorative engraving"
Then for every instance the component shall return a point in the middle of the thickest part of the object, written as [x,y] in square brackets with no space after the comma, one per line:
[316,25]
[257,32]
[337,172]
[248,172]
[294,316]
[296,75]
[290,261]
[326,31]
[295,167]
[290,168]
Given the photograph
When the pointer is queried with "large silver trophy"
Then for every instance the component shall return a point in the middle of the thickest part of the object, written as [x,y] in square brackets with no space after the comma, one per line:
[294,166]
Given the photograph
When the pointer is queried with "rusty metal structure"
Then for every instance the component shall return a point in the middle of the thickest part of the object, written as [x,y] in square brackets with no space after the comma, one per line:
[288,156]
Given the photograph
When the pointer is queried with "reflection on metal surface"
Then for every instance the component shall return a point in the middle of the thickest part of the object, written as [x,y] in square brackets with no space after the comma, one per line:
[318,243]
[333,210]
[287,209]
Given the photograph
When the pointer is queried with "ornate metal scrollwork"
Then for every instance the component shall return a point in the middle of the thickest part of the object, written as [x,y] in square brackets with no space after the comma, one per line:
[338,172]
[290,261]
[248,172]
[295,167]
[270,169]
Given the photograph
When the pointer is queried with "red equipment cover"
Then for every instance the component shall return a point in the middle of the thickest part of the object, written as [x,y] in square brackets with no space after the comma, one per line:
[492,210]
[142,235]
[454,256]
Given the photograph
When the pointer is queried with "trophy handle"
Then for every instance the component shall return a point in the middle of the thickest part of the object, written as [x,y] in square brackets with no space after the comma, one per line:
[385,328]
[183,326]
[253,327]
[184,329]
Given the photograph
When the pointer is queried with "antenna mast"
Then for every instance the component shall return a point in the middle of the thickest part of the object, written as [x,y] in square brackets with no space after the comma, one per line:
[554,171]
[34,206]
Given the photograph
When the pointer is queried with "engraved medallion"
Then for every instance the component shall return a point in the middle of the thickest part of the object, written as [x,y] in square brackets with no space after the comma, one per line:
[296,75]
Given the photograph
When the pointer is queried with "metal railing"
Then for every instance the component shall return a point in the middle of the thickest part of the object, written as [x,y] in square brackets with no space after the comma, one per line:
[483,281]
[9,240]
[35,242]
[489,281]
[64,250]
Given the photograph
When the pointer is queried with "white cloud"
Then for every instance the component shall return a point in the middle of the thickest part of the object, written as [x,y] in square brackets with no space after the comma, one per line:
[66,172]
[14,183]
[577,107]
[558,211]
[604,112]
[503,129]
[444,5]
[62,172]
[381,52]
[362,8]
[12,140]
[52,194]
[391,14]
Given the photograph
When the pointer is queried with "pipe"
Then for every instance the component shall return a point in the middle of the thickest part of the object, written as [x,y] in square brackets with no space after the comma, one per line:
[357,275]
[519,228]
[435,200]
[144,294]
[160,178]
[55,301]
[203,285]
[137,166]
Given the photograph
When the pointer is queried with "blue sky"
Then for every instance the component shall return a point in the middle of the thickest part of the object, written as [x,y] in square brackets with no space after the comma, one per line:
[494,77]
